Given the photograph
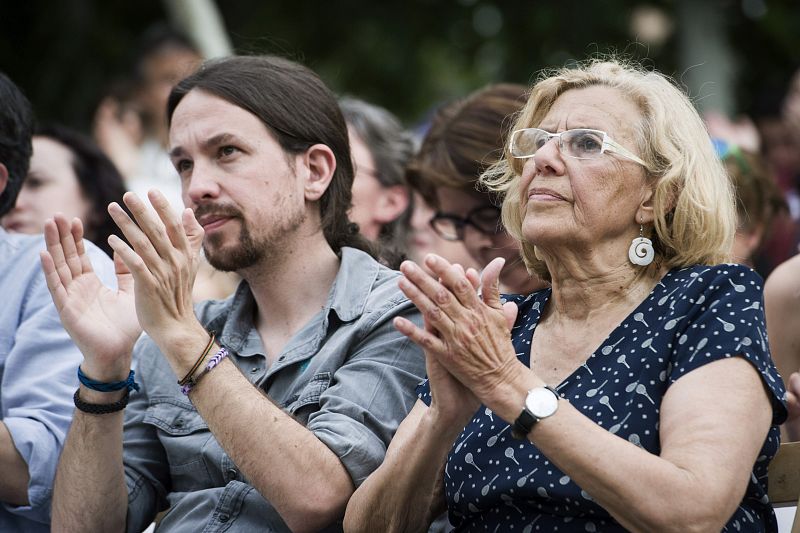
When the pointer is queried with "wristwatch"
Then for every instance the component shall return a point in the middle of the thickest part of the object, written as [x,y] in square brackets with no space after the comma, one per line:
[540,403]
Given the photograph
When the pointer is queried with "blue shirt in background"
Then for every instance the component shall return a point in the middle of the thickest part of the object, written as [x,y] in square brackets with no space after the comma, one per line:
[38,365]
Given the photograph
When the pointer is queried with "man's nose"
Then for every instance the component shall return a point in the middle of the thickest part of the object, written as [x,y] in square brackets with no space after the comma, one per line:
[201,185]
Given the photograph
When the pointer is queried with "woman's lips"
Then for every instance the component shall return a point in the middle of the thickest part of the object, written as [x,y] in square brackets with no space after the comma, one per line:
[544,195]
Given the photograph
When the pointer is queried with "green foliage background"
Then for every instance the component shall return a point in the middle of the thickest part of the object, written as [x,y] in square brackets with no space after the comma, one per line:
[405,55]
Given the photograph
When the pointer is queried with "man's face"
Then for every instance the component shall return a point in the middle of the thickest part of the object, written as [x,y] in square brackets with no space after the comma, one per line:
[241,185]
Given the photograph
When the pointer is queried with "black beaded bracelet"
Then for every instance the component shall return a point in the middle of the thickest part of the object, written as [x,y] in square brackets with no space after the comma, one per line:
[100,408]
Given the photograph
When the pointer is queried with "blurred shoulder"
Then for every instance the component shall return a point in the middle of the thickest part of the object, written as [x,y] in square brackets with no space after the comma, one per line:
[783,284]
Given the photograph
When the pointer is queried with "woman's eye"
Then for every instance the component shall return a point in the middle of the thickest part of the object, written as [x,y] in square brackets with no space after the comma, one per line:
[587,143]
[33,183]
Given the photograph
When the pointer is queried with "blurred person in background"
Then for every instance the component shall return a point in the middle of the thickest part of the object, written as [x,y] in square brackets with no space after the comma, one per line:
[758,199]
[131,127]
[423,239]
[131,124]
[780,149]
[782,290]
[782,305]
[38,360]
[68,174]
[465,138]
[381,149]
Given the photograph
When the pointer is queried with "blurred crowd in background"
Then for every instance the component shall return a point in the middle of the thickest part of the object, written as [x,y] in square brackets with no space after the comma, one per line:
[109,101]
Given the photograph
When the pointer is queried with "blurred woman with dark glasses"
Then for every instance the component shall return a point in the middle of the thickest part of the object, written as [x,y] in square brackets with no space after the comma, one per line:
[466,137]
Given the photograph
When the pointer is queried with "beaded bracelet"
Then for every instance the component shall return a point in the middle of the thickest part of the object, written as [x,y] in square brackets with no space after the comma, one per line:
[100,408]
[213,362]
[199,361]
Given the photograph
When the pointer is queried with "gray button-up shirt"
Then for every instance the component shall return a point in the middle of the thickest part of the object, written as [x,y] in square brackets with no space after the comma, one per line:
[348,376]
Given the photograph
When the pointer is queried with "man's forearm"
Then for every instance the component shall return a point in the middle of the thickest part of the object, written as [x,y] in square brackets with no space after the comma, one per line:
[90,492]
[289,466]
[14,481]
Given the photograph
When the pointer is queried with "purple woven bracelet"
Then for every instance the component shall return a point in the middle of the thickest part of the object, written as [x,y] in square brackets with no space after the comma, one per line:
[213,362]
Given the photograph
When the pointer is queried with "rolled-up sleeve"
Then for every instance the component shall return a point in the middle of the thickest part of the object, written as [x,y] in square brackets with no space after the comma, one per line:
[146,470]
[370,395]
[38,381]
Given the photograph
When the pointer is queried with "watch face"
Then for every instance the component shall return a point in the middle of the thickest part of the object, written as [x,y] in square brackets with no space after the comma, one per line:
[541,402]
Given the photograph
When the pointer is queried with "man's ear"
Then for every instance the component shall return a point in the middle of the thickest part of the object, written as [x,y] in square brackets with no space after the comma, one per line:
[321,164]
[3,178]
[391,204]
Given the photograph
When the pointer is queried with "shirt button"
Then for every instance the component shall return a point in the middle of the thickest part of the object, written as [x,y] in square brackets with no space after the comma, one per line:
[254,370]
[179,423]
[232,473]
[224,518]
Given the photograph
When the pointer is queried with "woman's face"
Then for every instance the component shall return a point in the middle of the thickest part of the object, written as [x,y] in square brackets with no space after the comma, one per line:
[424,240]
[50,187]
[482,246]
[367,190]
[582,203]
[374,204]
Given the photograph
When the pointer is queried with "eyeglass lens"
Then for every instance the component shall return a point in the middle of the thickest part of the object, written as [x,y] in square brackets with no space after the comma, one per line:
[578,143]
[485,219]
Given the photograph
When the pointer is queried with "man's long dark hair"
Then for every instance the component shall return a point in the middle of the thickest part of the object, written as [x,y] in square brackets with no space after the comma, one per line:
[300,111]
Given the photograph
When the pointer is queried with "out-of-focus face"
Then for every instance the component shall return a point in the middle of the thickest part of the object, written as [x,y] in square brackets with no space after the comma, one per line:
[424,240]
[584,204]
[374,204]
[367,190]
[161,72]
[50,187]
[781,150]
[484,246]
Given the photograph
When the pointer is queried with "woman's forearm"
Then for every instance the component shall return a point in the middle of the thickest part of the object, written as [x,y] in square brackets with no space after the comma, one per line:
[403,494]
[708,448]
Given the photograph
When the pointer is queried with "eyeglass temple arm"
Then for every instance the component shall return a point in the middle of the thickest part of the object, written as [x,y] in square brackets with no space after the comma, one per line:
[623,151]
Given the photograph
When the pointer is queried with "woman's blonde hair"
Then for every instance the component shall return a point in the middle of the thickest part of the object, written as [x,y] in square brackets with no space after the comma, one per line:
[695,218]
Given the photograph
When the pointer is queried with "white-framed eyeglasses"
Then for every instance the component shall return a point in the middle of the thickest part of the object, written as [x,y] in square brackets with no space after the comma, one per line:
[579,143]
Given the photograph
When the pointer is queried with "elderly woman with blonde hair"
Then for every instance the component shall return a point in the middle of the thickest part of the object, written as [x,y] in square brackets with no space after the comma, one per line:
[637,392]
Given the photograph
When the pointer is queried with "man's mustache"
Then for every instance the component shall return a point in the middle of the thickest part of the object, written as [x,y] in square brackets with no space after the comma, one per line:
[221,210]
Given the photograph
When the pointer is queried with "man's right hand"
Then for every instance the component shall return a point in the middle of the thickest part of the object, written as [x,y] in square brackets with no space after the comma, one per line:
[101,321]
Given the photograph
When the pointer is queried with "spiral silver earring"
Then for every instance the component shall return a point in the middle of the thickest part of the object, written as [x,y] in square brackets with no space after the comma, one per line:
[641,250]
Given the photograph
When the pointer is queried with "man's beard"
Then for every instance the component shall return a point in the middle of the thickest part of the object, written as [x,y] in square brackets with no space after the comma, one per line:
[249,250]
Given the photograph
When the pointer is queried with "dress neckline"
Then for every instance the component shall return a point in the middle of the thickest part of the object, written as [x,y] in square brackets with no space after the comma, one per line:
[636,315]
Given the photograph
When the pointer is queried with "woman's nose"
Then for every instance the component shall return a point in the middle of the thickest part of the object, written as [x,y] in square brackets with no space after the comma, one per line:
[548,158]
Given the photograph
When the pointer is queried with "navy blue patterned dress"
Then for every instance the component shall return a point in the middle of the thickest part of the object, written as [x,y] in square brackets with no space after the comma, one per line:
[692,317]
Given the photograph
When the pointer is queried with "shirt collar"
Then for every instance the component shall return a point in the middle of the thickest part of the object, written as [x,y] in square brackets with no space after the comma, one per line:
[351,288]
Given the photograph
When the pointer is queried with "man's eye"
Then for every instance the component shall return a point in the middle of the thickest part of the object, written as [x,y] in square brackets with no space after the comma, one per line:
[228,151]
[183,165]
